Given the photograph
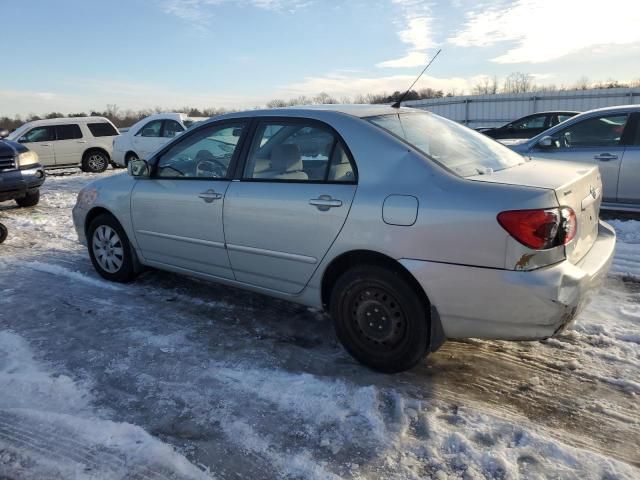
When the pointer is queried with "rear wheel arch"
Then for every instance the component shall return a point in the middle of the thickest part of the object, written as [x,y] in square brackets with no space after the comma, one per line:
[345,261]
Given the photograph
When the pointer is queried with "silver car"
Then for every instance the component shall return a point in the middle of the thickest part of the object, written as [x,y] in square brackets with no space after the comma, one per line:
[607,137]
[407,227]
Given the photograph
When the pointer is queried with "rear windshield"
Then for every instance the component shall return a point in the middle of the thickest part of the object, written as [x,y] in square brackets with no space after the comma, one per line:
[459,149]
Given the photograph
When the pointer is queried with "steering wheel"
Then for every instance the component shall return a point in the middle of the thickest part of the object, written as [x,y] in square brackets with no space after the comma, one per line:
[211,168]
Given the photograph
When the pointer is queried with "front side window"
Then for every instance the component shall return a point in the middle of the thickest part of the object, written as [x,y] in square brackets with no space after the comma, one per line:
[604,131]
[207,153]
[172,129]
[68,132]
[530,122]
[463,151]
[39,134]
[297,152]
[151,129]
[560,118]
[102,129]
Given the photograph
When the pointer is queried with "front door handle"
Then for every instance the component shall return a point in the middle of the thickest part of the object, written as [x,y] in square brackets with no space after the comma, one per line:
[45,144]
[606,157]
[325,202]
[82,141]
[210,195]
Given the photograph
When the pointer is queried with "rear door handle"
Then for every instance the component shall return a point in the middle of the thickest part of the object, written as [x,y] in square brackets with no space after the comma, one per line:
[325,202]
[210,195]
[605,157]
[45,144]
[82,141]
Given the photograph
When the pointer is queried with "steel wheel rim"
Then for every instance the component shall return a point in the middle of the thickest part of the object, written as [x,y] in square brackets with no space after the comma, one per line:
[96,162]
[108,249]
[377,319]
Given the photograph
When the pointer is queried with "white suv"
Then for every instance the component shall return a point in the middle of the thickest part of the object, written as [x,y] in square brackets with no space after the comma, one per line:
[62,142]
[149,134]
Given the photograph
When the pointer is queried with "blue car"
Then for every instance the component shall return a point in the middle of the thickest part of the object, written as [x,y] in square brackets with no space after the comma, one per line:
[21,174]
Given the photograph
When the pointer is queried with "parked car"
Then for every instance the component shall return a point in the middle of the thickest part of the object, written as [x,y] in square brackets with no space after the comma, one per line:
[606,137]
[529,126]
[64,142]
[21,174]
[149,134]
[407,227]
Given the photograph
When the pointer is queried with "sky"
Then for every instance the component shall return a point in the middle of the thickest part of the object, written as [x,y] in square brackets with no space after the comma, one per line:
[79,55]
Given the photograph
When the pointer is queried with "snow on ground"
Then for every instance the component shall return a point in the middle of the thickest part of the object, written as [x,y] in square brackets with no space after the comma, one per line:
[170,377]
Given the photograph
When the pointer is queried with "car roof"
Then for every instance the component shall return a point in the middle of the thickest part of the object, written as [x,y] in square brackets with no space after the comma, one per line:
[321,111]
[57,121]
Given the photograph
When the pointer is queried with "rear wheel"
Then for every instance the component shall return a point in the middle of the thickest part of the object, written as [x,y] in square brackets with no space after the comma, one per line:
[95,161]
[31,199]
[110,250]
[3,233]
[380,319]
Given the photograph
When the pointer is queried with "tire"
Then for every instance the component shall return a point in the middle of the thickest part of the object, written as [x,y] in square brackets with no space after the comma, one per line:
[111,256]
[129,157]
[3,233]
[95,161]
[29,200]
[380,319]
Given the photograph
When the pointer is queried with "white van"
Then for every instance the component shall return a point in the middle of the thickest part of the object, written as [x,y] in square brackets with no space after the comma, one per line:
[149,134]
[63,142]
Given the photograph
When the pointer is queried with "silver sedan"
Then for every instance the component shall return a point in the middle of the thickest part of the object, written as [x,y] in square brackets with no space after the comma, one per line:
[406,227]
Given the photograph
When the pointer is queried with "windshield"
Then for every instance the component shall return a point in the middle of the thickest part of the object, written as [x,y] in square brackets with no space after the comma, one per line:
[460,149]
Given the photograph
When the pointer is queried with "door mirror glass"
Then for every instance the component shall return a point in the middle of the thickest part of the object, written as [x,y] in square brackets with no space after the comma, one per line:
[547,142]
[139,168]
[4,132]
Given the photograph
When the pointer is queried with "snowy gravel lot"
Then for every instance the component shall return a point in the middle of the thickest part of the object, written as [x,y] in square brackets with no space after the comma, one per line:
[173,378]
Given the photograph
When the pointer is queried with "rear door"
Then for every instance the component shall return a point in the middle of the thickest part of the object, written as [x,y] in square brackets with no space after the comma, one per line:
[629,179]
[40,140]
[292,199]
[69,144]
[177,213]
[596,140]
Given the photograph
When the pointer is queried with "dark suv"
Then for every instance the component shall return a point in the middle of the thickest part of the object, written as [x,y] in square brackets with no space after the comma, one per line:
[21,174]
[529,126]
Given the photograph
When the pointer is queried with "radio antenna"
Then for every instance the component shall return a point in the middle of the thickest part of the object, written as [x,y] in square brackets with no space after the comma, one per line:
[397,104]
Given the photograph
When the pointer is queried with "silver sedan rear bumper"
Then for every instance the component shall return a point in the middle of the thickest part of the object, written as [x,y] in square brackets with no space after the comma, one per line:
[513,305]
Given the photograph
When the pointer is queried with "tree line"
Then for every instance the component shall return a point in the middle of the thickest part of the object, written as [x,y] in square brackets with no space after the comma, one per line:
[516,82]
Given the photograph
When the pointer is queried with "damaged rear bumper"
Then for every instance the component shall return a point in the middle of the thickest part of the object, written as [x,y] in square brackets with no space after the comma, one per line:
[513,305]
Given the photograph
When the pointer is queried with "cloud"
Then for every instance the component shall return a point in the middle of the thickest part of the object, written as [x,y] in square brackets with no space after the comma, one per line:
[339,85]
[199,12]
[542,31]
[416,32]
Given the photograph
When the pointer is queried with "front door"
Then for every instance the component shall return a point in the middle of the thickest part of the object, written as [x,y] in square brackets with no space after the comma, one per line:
[148,139]
[40,140]
[629,180]
[596,140]
[290,205]
[177,213]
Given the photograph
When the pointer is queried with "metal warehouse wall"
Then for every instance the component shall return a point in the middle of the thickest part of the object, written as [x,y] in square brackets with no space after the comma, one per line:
[495,110]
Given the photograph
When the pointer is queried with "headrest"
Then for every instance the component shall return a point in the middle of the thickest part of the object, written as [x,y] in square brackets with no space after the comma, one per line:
[286,158]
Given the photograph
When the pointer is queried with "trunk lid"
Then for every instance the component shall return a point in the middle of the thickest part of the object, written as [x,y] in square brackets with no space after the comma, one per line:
[576,185]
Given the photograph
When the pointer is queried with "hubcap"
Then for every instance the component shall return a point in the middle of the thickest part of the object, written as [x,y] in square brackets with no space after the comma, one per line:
[107,249]
[96,162]
[378,318]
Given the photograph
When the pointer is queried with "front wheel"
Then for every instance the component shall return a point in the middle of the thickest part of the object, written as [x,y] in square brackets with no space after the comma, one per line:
[110,250]
[380,319]
[95,162]
[3,233]
[31,199]
[130,158]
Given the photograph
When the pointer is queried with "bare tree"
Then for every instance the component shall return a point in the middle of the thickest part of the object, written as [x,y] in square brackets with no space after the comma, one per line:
[486,86]
[518,82]
[583,83]
[276,103]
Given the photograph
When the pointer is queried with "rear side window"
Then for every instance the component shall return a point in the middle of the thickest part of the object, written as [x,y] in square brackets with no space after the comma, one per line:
[299,152]
[68,132]
[531,122]
[102,129]
[172,128]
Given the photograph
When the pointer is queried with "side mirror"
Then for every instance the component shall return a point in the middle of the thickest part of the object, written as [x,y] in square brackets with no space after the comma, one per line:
[547,142]
[4,133]
[139,168]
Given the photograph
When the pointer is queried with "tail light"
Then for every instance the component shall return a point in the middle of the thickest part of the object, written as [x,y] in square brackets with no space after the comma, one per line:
[540,229]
